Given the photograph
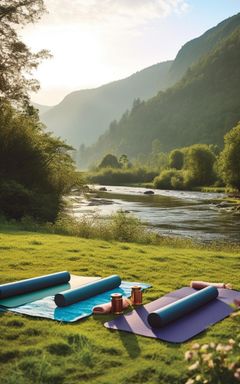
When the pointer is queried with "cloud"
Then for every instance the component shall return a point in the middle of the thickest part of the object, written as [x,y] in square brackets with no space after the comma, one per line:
[112,11]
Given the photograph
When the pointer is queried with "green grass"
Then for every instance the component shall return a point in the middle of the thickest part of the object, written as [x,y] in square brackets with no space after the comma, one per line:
[42,351]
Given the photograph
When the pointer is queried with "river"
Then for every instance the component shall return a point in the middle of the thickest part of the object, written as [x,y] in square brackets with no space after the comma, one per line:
[177,213]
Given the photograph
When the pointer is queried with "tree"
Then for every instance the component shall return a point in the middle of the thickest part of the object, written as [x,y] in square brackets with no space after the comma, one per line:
[123,161]
[176,159]
[109,161]
[199,161]
[16,60]
[229,161]
[35,168]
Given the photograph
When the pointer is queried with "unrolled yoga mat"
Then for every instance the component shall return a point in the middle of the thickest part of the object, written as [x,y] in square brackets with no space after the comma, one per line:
[75,282]
[183,328]
[48,309]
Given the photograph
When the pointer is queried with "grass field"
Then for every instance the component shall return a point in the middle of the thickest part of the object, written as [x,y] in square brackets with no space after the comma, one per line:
[43,351]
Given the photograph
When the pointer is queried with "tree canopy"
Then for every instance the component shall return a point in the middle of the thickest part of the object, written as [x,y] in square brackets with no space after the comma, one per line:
[35,168]
[109,161]
[176,159]
[16,60]
[229,161]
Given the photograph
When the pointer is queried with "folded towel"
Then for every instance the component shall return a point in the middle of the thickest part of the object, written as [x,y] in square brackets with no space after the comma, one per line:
[107,308]
[204,284]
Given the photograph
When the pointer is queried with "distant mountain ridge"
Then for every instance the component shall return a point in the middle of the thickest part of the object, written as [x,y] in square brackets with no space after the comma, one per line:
[200,108]
[84,115]
[193,50]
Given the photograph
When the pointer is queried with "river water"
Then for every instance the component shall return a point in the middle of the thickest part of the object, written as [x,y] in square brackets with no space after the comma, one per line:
[176,213]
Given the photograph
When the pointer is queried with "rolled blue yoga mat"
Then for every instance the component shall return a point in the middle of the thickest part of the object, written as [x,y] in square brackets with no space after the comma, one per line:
[182,307]
[89,290]
[34,284]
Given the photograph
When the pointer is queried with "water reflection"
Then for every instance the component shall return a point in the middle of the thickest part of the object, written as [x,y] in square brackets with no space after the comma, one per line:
[190,214]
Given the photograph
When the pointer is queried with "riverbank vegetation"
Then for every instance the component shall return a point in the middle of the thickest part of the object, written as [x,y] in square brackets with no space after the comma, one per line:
[121,226]
[198,166]
[42,351]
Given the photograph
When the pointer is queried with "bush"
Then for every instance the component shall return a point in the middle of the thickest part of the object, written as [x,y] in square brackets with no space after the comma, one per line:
[229,161]
[168,179]
[126,227]
[15,199]
[122,176]
[176,159]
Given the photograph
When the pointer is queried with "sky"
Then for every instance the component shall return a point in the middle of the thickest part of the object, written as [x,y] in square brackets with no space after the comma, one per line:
[94,42]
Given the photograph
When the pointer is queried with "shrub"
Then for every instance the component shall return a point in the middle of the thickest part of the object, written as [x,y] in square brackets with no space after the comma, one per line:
[230,158]
[164,180]
[122,176]
[176,159]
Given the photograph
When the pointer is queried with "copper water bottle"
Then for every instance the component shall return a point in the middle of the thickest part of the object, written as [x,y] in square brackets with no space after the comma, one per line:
[136,295]
[117,303]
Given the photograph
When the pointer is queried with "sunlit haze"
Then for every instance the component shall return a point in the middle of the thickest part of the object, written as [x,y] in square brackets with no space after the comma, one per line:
[97,41]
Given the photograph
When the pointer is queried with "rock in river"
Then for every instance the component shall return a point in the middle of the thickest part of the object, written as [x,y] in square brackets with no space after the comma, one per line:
[149,192]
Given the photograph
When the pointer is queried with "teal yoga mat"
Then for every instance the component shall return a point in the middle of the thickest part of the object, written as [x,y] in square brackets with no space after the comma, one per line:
[34,284]
[75,282]
[47,308]
[174,311]
[72,296]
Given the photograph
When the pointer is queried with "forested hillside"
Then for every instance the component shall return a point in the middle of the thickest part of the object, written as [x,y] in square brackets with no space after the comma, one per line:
[192,51]
[201,108]
[84,115]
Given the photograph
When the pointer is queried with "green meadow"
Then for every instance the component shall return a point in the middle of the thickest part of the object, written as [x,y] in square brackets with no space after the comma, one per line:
[42,351]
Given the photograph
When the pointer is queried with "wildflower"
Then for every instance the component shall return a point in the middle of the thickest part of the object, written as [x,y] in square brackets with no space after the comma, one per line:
[190,381]
[206,356]
[220,348]
[237,374]
[210,364]
[231,342]
[228,348]
[204,348]
[195,346]
[194,366]
[188,355]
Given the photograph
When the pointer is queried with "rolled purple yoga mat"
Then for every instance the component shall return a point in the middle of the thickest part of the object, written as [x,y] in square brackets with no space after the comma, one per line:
[182,307]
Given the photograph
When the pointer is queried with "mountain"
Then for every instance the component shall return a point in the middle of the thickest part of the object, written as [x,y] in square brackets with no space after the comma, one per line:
[192,51]
[84,115]
[200,108]
[41,108]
